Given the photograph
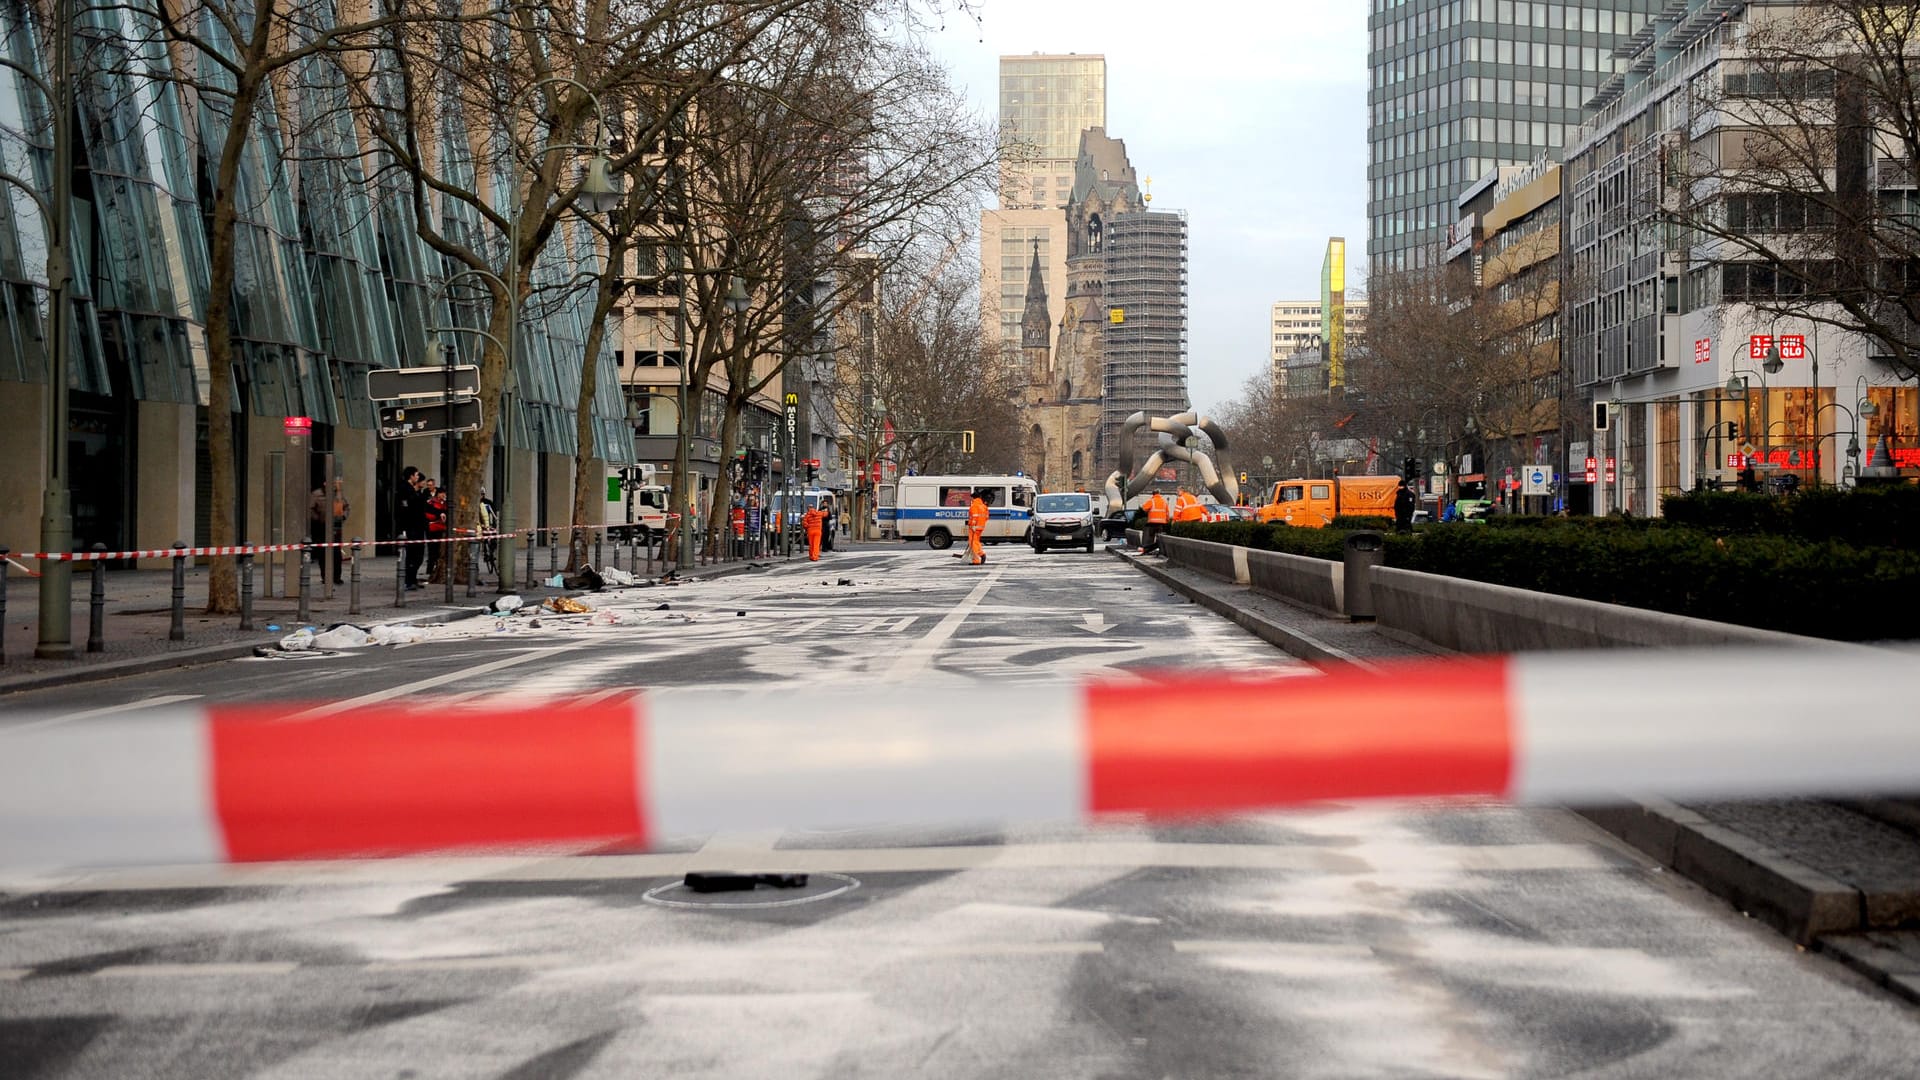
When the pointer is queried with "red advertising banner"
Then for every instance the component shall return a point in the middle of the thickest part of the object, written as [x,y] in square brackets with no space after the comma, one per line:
[1703,351]
[1610,472]
[1736,460]
[1793,346]
[1757,346]
[1593,470]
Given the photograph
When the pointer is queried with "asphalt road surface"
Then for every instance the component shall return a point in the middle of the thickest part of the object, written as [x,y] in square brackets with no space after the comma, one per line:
[1428,940]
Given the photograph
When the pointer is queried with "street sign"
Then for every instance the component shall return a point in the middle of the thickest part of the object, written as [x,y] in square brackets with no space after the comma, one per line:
[431,418]
[1536,480]
[395,384]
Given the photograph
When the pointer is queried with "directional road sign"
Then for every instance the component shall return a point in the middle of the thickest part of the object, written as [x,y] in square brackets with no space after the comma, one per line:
[395,384]
[430,418]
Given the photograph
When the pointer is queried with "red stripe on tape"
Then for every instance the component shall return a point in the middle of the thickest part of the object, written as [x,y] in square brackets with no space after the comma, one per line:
[386,781]
[1203,746]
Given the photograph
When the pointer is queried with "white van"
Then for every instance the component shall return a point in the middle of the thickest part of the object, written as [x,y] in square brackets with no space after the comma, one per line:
[935,507]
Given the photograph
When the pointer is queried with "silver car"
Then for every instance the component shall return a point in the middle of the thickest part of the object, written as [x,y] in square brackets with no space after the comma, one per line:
[1063,519]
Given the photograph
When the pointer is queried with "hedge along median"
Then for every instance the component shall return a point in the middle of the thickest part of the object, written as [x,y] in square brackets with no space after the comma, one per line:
[1817,587]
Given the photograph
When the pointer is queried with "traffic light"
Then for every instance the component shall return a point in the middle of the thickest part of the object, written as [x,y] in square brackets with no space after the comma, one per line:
[1599,416]
[1733,431]
[1410,469]
[966,442]
[813,469]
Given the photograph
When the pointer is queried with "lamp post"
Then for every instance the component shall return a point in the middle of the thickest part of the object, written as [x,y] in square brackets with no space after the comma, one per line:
[56,510]
[1853,440]
[596,194]
[736,301]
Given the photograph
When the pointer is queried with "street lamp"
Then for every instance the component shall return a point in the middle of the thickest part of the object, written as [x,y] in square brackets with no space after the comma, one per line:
[56,508]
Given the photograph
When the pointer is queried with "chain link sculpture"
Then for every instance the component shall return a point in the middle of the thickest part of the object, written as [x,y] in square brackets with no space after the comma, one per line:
[1173,433]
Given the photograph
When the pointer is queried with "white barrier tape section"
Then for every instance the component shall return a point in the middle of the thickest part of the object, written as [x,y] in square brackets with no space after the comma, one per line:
[252,782]
[263,549]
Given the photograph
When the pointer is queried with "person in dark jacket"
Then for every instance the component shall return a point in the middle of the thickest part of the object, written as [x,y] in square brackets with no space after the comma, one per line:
[1403,504]
[410,515]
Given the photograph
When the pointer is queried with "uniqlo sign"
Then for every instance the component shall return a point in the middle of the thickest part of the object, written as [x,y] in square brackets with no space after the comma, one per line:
[1703,351]
[1736,460]
[1792,346]
[1593,470]
[1610,472]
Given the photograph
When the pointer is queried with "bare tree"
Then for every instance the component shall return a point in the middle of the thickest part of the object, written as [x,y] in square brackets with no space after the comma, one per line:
[1803,198]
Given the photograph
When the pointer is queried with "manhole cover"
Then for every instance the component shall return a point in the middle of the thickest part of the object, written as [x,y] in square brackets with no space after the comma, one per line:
[818,887]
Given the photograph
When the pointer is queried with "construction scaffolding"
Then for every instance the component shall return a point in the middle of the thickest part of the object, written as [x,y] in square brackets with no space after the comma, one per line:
[1146,331]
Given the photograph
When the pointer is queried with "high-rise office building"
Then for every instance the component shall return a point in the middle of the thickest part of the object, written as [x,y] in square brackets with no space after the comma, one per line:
[1458,87]
[1046,101]
[1296,324]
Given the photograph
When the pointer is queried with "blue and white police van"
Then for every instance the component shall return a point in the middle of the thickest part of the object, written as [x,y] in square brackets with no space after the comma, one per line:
[935,507]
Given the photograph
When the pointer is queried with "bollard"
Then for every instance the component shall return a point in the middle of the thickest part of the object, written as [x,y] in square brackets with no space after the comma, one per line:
[472,556]
[305,614]
[447,567]
[4,567]
[528,582]
[553,554]
[178,631]
[353,581]
[1364,551]
[246,589]
[97,605]
[616,553]
[399,574]
[597,538]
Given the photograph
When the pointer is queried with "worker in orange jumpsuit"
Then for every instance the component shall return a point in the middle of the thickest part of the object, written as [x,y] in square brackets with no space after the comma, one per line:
[1187,508]
[812,521]
[1157,516]
[977,515]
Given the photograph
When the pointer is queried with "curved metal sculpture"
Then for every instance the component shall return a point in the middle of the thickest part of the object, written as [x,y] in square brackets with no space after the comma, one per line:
[1173,433]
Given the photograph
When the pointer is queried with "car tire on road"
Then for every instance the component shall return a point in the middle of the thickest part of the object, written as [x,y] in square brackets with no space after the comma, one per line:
[1039,549]
[1089,543]
[939,539]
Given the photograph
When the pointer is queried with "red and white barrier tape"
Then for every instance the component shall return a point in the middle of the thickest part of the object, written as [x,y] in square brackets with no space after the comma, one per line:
[264,782]
[263,549]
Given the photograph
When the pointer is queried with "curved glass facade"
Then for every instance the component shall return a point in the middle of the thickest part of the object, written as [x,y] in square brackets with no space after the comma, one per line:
[330,278]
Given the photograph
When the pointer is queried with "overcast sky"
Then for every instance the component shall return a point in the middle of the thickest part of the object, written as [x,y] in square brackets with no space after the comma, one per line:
[1250,116]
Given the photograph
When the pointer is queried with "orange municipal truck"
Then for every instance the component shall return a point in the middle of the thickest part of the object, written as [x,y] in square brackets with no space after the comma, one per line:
[1314,503]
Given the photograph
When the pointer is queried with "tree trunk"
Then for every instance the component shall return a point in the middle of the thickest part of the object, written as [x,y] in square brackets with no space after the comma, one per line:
[223,590]
[719,522]
[586,477]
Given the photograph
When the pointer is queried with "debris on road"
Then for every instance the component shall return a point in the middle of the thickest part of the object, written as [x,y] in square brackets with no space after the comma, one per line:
[507,604]
[567,605]
[298,640]
[342,636]
[727,881]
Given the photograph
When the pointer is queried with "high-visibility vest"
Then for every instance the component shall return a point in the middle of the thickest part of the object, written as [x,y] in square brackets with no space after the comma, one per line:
[1156,510]
[977,515]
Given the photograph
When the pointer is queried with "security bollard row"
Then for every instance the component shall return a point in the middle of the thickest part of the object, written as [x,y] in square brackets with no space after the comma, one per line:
[353,581]
[4,552]
[305,613]
[399,576]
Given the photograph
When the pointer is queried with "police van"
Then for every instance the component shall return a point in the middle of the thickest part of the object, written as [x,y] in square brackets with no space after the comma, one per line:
[935,507]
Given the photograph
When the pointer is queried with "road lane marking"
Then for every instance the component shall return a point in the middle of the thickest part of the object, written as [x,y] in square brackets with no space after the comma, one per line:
[104,710]
[13,974]
[143,971]
[919,655]
[438,680]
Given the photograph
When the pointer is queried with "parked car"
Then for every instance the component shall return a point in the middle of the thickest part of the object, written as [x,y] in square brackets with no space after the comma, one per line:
[1063,519]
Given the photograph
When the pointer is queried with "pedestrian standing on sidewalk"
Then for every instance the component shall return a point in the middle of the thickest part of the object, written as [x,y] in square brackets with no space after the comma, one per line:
[436,510]
[326,522]
[410,514]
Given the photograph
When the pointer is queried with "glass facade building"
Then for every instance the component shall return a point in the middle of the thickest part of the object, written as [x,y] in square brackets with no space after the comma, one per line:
[1045,103]
[1459,87]
[330,282]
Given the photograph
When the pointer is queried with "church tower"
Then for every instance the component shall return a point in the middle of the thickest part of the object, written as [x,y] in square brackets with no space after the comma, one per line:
[1036,329]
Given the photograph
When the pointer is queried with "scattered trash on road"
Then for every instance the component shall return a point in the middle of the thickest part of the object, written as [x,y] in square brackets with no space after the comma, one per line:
[397,634]
[298,640]
[508,604]
[567,605]
[343,636]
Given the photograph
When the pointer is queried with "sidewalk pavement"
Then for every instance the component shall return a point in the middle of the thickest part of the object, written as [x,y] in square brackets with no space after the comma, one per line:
[138,617]
[1842,878]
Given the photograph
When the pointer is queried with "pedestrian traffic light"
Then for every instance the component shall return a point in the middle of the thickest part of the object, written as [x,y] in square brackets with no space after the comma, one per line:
[1599,416]
[1410,469]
